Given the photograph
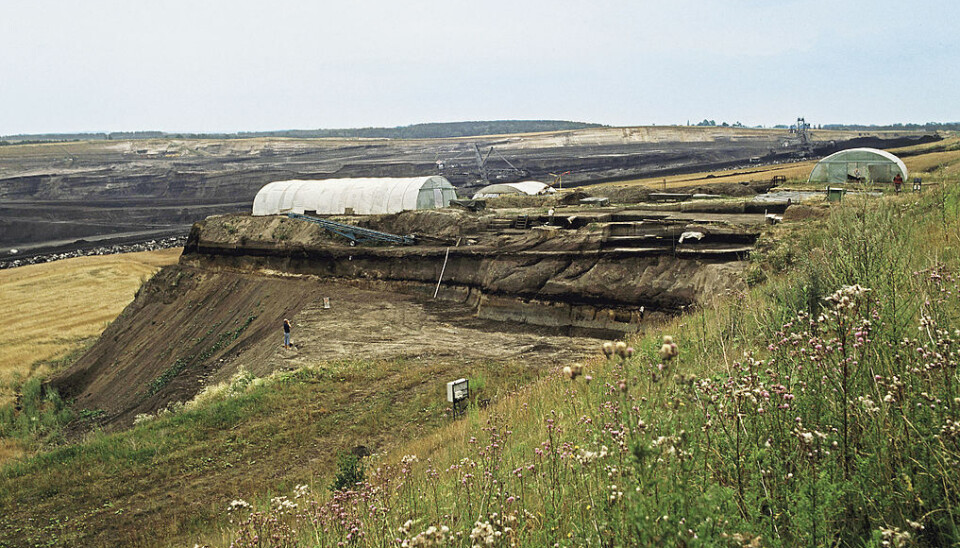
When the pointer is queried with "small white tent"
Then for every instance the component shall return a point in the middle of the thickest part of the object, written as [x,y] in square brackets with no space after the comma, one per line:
[353,196]
[531,188]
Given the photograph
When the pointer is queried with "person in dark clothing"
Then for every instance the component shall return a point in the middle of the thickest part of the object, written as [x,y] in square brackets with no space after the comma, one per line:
[286,334]
[897,183]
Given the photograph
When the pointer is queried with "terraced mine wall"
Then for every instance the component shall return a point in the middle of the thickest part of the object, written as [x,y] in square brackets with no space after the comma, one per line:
[53,191]
[606,276]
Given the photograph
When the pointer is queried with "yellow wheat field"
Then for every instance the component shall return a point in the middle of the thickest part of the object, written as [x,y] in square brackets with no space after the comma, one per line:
[48,310]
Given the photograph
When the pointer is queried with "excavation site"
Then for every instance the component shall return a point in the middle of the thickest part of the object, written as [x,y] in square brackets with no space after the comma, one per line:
[62,197]
[543,284]
[445,272]
[323,319]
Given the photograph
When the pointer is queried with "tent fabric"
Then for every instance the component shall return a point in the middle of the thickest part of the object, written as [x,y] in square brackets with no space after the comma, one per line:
[356,196]
[874,165]
[531,188]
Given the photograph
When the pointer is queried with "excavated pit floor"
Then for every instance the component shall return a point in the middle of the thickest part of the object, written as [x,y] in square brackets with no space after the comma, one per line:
[369,324]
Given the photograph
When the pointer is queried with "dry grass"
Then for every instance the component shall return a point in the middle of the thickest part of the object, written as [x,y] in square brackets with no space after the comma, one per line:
[930,156]
[48,310]
[10,449]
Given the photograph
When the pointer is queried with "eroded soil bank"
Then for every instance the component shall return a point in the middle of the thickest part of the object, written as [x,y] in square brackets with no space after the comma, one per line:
[607,274]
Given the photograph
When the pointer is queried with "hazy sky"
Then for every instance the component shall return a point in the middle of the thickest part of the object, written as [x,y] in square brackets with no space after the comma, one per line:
[197,65]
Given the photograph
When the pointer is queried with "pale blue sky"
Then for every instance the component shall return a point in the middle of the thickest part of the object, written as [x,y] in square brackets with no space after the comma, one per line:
[239,65]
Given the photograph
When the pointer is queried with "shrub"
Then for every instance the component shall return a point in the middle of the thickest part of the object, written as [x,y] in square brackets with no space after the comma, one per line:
[350,472]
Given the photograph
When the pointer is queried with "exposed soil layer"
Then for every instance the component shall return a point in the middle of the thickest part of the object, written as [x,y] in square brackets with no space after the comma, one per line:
[57,191]
[619,260]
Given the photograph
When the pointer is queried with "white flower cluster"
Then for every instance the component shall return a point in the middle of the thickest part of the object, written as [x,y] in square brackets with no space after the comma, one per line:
[573,371]
[409,459]
[807,436]
[868,404]
[433,536]
[615,494]
[483,534]
[670,447]
[238,504]
[894,537]
[588,457]
[612,471]
[494,531]
[669,349]
[283,504]
[618,348]
[846,296]
[300,491]
[950,429]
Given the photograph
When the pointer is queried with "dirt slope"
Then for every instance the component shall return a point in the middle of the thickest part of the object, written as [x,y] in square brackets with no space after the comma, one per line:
[182,323]
[190,327]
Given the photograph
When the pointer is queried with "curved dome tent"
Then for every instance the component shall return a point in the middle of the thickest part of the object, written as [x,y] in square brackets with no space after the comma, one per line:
[531,188]
[353,196]
[872,165]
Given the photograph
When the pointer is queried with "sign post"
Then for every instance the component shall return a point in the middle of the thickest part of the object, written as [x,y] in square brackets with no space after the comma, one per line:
[458,392]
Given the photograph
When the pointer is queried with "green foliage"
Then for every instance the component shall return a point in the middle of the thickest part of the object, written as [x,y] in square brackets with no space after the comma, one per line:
[350,472]
[37,417]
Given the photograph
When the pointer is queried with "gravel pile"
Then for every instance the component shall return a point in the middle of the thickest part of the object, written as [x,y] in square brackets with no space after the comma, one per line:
[150,245]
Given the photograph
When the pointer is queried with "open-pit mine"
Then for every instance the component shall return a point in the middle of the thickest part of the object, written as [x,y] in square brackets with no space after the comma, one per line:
[539,279]
[57,197]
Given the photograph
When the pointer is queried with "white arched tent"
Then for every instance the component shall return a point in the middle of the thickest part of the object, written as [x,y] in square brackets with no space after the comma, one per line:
[867,164]
[531,188]
[353,196]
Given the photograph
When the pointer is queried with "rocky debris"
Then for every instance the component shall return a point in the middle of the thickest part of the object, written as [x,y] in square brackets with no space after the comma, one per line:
[151,245]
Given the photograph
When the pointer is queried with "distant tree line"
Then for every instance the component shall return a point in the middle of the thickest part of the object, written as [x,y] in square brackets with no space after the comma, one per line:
[416,131]
[713,123]
[34,141]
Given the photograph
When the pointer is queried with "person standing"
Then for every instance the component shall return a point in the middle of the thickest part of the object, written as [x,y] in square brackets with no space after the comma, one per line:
[286,333]
[897,183]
